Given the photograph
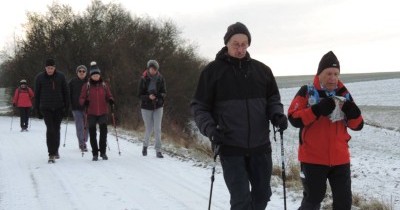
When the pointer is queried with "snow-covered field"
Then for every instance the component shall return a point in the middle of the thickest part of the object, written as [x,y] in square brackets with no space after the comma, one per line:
[131,181]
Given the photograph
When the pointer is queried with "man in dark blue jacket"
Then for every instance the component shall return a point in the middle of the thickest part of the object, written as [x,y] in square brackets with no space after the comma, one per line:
[51,103]
[236,97]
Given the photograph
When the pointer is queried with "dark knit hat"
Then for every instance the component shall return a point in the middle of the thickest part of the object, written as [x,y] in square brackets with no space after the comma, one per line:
[153,63]
[328,60]
[50,62]
[236,28]
[93,68]
[81,67]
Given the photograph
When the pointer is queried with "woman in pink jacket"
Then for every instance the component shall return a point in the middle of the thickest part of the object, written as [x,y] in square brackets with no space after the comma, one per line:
[22,99]
[96,96]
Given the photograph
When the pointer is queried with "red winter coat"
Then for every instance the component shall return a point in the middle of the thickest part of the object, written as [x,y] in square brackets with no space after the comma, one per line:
[23,97]
[321,141]
[98,96]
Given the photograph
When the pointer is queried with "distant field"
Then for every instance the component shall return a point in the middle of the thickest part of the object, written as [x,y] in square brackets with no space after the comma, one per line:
[297,81]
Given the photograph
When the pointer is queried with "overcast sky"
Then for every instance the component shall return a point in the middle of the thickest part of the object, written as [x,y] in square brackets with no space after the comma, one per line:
[290,36]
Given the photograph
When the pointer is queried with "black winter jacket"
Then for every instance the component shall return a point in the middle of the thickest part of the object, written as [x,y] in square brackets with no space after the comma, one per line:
[51,92]
[143,94]
[75,87]
[240,96]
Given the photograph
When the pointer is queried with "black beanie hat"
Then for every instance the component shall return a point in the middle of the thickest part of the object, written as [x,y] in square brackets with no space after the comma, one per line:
[50,62]
[236,28]
[328,60]
[93,68]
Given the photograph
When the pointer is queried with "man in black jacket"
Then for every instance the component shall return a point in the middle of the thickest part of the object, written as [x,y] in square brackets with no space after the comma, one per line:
[236,97]
[51,103]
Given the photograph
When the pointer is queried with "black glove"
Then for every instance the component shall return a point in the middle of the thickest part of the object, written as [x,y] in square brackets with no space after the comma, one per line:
[39,114]
[14,105]
[66,112]
[111,102]
[280,120]
[351,110]
[217,136]
[324,107]
[86,103]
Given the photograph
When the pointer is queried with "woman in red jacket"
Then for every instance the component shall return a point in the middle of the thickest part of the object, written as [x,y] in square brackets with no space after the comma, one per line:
[96,96]
[22,99]
[323,111]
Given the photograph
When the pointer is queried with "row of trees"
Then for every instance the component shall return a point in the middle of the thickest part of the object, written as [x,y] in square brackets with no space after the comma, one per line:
[121,45]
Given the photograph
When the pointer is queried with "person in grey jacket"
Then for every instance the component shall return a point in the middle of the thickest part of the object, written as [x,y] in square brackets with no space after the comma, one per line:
[78,111]
[51,104]
[235,99]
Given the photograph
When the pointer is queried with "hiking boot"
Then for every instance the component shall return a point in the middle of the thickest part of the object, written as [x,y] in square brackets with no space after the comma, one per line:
[104,156]
[144,151]
[57,156]
[95,158]
[52,159]
[159,155]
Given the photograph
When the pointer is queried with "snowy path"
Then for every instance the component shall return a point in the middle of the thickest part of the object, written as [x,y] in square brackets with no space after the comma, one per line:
[124,182]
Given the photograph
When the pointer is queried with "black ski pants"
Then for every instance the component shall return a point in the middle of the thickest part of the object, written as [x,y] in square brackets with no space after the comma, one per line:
[53,119]
[314,178]
[102,121]
[24,116]
[248,180]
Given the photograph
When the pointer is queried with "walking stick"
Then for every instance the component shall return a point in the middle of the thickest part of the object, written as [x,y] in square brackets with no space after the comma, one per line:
[283,166]
[84,130]
[65,135]
[216,153]
[12,118]
[115,128]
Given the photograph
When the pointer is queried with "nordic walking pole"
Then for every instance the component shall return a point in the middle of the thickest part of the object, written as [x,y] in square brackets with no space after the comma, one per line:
[12,118]
[84,130]
[216,153]
[115,128]
[283,166]
[65,135]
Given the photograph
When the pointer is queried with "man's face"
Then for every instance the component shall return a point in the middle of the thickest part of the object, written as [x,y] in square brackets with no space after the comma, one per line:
[50,70]
[237,46]
[329,78]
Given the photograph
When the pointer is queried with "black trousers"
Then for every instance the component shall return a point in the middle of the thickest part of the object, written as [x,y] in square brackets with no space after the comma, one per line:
[24,116]
[52,119]
[102,121]
[241,172]
[314,178]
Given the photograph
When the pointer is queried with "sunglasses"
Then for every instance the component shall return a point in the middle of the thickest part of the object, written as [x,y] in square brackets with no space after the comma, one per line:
[81,71]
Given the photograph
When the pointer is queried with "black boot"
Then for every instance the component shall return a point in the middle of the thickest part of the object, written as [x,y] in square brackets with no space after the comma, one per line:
[95,158]
[159,155]
[144,151]
[104,156]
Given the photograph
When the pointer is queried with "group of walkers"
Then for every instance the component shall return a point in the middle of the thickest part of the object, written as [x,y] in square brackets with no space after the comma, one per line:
[235,100]
[90,100]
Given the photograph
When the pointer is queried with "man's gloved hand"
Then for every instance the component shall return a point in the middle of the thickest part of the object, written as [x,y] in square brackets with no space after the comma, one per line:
[86,103]
[280,120]
[324,107]
[65,112]
[217,136]
[39,114]
[351,110]
[14,105]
